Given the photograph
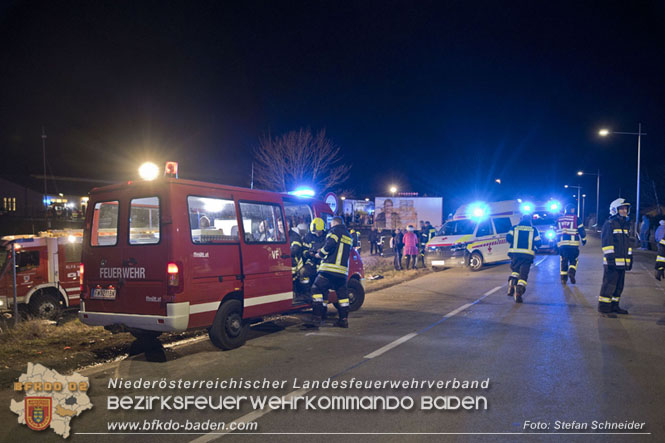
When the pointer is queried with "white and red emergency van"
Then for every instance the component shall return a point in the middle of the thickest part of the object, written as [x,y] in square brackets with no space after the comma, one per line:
[47,272]
[172,255]
[476,235]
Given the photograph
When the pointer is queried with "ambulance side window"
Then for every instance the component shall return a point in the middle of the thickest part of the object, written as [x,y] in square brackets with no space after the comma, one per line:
[484,228]
[262,222]
[105,224]
[212,220]
[27,260]
[502,225]
[144,221]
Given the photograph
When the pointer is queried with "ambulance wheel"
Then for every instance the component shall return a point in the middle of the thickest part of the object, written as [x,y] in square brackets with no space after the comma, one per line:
[476,261]
[356,294]
[45,305]
[229,330]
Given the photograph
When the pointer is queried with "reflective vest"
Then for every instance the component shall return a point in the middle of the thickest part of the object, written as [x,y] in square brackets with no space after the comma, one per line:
[523,239]
[296,251]
[336,251]
[568,233]
[660,259]
[615,241]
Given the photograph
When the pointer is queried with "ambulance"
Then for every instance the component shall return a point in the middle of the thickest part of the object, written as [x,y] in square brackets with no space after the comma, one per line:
[475,236]
[47,272]
[173,255]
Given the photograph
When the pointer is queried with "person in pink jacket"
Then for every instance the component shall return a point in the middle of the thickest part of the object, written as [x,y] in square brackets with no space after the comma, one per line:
[410,246]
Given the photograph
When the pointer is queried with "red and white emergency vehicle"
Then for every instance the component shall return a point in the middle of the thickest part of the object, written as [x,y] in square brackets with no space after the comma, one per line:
[476,235]
[172,254]
[47,272]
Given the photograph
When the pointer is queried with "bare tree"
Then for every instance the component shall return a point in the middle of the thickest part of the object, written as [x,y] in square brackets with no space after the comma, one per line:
[299,157]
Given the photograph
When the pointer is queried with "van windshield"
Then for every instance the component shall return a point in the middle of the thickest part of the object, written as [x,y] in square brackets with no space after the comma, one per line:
[458,227]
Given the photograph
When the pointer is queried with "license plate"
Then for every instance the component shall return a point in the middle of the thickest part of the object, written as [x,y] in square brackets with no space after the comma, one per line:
[438,262]
[103,294]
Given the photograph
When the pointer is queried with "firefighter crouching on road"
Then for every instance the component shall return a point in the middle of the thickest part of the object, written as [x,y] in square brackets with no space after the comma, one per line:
[523,240]
[569,236]
[312,242]
[660,260]
[332,274]
[617,257]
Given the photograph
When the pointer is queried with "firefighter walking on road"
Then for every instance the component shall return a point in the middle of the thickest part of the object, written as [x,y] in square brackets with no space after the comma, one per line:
[523,240]
[617,258]
[660,260]
[569,236]
[332,274]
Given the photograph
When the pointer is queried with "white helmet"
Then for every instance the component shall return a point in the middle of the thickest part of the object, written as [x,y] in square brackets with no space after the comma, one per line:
[616,204]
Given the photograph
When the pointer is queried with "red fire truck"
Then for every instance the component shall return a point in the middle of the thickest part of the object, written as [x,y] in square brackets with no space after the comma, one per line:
[172,254]
[47,272]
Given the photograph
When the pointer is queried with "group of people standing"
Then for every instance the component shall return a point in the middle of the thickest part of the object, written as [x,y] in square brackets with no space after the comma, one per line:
[410,243]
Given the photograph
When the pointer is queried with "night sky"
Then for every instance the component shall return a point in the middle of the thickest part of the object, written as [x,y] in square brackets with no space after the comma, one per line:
[437,97]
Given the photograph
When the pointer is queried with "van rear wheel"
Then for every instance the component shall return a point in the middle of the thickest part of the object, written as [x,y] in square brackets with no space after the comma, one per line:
[45,305]
[356,294]
[476,261]
[229,330]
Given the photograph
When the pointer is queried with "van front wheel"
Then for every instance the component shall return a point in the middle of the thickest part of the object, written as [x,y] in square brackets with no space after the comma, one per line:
[476,261]
[228,330]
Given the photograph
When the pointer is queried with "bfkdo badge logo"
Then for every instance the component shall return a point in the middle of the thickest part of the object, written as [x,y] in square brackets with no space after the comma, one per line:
[38,412]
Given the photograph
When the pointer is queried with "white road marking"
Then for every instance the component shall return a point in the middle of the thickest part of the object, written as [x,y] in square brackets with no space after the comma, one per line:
[389,346]
[544,258]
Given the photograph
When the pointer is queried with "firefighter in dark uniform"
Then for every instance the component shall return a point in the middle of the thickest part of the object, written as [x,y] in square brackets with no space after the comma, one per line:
[297,261]
[332,274]
[569,236]
[660,260]
[427,232]
[312,242]
[617,257]
[523,240]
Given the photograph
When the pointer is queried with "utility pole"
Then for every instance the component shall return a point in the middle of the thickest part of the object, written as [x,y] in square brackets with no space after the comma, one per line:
[44,159]
[251,184]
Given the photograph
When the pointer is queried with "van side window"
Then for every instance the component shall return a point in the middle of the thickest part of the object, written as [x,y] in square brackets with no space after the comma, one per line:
[298,214]
[484,228]
[212,220]
[105,224]
[144,221]
[502,225]
[262,223]
[27,260]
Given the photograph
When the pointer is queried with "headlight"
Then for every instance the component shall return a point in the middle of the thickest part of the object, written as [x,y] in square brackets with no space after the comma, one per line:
[550,234]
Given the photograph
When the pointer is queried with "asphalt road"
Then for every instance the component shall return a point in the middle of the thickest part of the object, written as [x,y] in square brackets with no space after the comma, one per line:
[552,358]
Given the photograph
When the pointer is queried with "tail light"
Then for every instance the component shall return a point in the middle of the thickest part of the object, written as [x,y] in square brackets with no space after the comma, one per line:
[174,280]
[81,268]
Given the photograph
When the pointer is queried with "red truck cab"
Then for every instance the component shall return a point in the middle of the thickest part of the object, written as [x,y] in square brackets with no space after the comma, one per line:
[172,255]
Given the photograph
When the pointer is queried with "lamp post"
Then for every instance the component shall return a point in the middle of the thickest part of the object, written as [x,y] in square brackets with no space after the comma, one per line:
[581,173]
[583,201]
[393,190]
[639,134]
[579,188]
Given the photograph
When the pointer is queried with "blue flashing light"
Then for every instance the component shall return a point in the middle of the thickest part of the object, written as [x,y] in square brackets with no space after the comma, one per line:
[303,192]
[478,211]
[550,234]
[526,208]
[553,206]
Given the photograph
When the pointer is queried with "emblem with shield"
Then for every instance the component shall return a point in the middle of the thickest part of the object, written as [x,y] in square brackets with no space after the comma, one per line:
[38,412]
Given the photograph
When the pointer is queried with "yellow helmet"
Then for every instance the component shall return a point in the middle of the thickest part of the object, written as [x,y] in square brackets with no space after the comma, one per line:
[317,225]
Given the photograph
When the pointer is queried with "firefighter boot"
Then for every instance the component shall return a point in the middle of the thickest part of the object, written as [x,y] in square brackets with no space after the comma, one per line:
[519,291]
[511,287]
[564,279]
[605,309]
[617,310]
[343,323]
[571,274]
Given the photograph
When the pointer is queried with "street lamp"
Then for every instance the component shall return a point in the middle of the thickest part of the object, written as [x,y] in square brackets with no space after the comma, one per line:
[148,171]
[578,196]
[393,189]
[583,201]
[639,134]
[498,180]
[581,173]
